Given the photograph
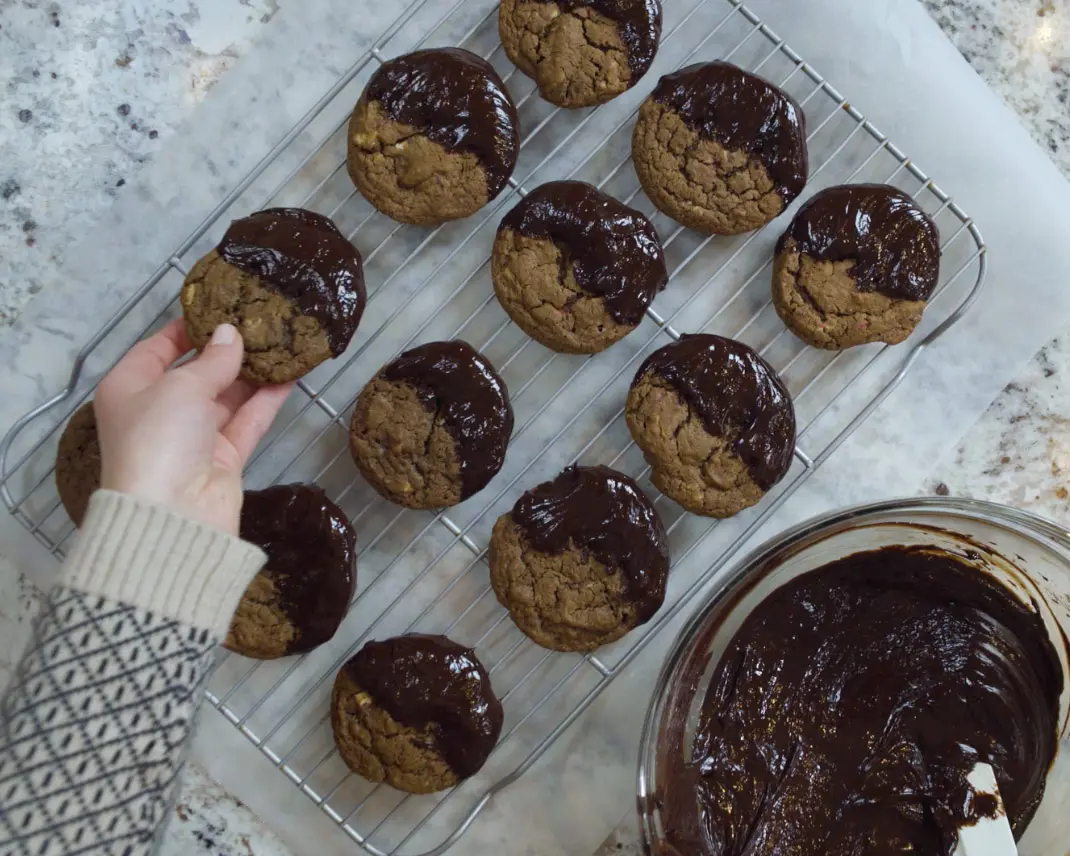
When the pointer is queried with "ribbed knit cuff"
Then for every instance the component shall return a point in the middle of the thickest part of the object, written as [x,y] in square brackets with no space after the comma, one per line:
[143,554]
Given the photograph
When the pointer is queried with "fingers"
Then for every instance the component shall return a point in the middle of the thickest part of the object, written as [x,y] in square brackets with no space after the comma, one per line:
[229,401]
[253,418]
[147,361]
[217,366]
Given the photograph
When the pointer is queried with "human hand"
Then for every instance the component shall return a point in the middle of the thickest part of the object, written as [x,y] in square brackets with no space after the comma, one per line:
[179,436]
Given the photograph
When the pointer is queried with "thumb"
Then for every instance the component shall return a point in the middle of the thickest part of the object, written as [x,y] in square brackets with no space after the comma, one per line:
[218,364]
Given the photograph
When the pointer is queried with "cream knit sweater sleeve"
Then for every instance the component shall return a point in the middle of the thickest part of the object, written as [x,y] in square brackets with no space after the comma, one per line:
[94,725]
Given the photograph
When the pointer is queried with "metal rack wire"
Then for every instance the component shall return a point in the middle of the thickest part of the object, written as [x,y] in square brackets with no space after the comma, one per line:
[424,571]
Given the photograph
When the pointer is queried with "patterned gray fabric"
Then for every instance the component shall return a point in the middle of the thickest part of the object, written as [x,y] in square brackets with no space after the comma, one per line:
[94,726]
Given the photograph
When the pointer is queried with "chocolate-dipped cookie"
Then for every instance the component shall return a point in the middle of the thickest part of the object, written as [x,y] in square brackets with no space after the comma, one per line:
[714,421]
[718,149]
[575,268]
[301,596]
[434,136]
[857,264]
[78,462]
[581,52]
[580,560]
[417,712]
[431,428]
[289,281]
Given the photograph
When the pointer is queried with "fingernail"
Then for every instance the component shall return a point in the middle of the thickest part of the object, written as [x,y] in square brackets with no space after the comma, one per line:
[224,335]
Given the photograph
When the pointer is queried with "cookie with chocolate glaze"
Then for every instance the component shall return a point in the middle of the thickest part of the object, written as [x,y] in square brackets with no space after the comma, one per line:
[290,282]
[417,712]
[720,150]
[714,421]
[78,462]
[299,598]
[434,136]
[857,264]
[431,428]
[576,269]
[581,52]
[580,560]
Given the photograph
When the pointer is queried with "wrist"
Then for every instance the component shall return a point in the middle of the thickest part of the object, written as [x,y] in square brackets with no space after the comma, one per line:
[145,553]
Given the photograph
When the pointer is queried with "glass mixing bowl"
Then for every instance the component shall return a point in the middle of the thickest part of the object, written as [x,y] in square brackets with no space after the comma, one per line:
[1029,555]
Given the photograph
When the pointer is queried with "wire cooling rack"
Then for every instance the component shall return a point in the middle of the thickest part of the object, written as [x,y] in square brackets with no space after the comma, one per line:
[427,572]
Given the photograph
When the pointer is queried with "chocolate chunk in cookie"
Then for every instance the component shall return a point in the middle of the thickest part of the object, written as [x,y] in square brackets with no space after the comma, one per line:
[581,52]
[417,712]
[434,136]
[78,462]
[431,428]
[301,596]
[292,285]
[714,421]
[718,149]
[857,264]
[580,560]
[575,268]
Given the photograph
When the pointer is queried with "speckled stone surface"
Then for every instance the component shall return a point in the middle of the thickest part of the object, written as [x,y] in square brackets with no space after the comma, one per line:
[1022,50]
[93,89]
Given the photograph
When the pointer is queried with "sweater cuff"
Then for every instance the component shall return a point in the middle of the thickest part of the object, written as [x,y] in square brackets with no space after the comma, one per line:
[140,553]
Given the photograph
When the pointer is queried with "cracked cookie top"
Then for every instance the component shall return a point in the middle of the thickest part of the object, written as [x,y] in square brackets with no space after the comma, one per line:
[415,711]
[719,149]
[289,281]
[431,428]
[581,559]
[78,462]
[857,264]
[581,52]
[714,421]
[575,268]
[434,136]
[298,600]
[303,256]
[894,245]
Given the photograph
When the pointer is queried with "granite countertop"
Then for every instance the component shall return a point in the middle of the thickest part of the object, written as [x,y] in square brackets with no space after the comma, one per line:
[94,89]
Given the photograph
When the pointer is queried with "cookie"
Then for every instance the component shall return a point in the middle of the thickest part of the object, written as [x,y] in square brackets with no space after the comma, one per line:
[714,421]
[580,560]
[857,264]
[431,428]
[301,596]
[581,52]
[417,712]
[575,268]
[78,462]
[434,136]
[292,285]
[718,149]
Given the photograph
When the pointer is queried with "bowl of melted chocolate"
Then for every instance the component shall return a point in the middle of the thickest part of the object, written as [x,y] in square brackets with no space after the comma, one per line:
[835,690]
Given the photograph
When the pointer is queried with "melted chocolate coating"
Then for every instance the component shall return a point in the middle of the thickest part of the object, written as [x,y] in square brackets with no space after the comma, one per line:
[639,25]
[602,511]
[455,380]
[742,112]
[455,99]
[737,395]
[848,709]
[425,681]
[614,250]
[303,256]
[893,243]
[311,557]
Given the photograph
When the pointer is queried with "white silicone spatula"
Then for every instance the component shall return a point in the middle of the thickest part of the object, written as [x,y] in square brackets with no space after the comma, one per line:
[990,836]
